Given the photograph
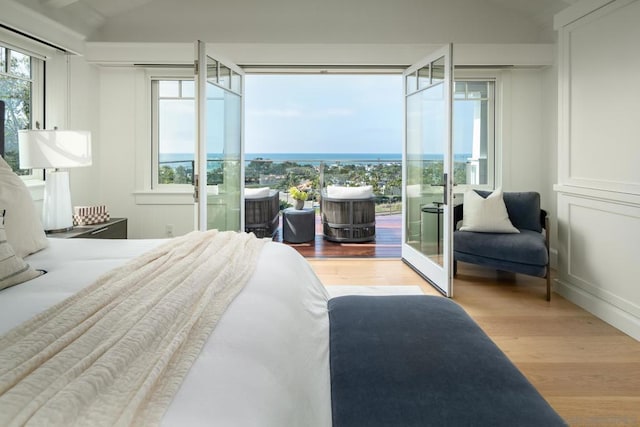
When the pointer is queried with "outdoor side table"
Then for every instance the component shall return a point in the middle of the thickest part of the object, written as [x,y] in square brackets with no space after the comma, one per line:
[298,225]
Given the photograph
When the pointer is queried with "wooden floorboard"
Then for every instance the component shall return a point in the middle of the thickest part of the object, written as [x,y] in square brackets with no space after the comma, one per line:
[385,245]
[586,369]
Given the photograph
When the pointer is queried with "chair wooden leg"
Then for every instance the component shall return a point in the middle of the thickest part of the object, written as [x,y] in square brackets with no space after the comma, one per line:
[548,277]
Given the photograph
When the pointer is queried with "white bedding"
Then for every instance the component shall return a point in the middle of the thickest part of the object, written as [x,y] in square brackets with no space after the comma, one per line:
[265,364]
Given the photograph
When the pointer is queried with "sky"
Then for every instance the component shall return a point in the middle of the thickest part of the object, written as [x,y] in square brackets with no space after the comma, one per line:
[311,113]
[323,113]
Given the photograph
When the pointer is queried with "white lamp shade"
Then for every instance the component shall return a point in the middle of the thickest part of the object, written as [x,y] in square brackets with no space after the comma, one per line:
[54,148]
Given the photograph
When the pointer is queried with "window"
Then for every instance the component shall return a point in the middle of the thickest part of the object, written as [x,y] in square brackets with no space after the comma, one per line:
[22,92]
[173,100]
[474,130]
[173,131]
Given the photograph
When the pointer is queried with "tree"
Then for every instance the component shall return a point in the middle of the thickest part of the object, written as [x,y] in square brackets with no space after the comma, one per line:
[16,93]
[181,176]
[166,175]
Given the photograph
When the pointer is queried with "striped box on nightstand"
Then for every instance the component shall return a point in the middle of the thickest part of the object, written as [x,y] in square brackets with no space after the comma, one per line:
[88,215]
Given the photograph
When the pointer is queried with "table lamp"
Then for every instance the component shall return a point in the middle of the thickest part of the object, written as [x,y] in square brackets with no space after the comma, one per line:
[55,149]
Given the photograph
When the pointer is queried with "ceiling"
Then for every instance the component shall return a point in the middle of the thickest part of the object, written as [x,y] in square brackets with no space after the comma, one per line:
[308,21]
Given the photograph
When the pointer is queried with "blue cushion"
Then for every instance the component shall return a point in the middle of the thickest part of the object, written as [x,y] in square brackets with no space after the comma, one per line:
[523,209]
[422,361]
[526,247]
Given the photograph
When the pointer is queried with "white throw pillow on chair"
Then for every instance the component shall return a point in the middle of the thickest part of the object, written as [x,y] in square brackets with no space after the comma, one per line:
[486,215]
[256,193]
[340,192]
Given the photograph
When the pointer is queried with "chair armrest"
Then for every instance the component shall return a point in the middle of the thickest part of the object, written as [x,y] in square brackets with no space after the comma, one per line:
[544,219]
[458,213]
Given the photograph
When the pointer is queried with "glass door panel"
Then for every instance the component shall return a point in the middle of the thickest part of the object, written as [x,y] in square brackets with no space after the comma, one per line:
[427,215]
[219,154]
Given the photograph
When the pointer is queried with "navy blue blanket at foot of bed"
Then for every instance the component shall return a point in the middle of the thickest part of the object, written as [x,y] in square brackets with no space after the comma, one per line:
[422,361]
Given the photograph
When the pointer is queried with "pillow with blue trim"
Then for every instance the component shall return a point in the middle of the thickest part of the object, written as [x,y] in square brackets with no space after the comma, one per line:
[13,269]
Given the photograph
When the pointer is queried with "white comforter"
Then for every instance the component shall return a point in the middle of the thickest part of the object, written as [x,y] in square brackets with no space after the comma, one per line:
[265,364]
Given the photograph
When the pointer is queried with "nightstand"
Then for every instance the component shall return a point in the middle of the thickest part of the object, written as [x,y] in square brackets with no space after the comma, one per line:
[115,228]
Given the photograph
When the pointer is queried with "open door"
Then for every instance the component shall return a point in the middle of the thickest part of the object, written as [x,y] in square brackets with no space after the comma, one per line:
[427,165]
[220,146]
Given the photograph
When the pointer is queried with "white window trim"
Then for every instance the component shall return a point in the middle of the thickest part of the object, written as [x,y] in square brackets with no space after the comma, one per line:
[495,152]
[155,150]
[147,192]
[153,193]
[36,178]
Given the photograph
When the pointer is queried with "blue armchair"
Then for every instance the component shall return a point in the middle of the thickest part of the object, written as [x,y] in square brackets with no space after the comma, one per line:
[526,252]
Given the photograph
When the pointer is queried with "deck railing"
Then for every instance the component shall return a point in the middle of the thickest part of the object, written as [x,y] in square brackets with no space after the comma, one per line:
[385,176]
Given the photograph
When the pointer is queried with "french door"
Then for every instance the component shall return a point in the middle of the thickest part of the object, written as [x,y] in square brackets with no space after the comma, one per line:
[427,165]
[219,143]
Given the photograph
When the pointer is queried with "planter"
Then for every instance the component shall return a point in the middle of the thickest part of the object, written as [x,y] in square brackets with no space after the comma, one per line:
[299,204]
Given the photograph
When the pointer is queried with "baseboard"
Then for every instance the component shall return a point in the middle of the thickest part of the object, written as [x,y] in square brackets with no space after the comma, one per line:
[611,314]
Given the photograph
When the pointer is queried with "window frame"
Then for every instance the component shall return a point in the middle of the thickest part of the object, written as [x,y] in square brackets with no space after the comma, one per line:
[494,149]
[37,81]
[492,132]
[495,154]
[153,81]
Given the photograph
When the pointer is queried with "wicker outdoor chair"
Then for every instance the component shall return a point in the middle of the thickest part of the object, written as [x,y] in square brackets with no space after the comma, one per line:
[262,212]
[348,214]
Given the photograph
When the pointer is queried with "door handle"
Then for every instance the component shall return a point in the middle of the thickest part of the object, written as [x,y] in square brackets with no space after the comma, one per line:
[445,198]
[196,183]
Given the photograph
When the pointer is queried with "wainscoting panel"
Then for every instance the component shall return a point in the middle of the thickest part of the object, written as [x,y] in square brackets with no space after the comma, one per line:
[598,265]
[596,127]
[601,256]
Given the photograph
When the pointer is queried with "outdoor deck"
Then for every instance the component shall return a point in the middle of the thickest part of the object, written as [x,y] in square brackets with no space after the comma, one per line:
[386,244]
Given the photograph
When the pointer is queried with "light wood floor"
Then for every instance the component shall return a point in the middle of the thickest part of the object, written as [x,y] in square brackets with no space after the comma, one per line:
[586,369]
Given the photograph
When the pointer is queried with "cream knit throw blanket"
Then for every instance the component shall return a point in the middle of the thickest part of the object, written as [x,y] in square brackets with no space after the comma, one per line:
[116,352]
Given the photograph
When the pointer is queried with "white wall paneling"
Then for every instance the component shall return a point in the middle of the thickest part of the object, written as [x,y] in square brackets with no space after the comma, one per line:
[599,99]
[599,266]
[598,152]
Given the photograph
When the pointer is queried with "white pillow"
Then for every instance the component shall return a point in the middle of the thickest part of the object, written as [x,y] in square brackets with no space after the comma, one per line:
[13,269]
[256,193]
[22,221]
[486,215]
[338,192]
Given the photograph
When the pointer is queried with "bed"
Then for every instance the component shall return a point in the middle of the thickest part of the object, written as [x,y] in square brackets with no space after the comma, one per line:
[255,370]
[284,354]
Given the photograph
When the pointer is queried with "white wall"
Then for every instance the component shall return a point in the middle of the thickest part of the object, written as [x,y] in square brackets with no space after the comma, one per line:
[84,114]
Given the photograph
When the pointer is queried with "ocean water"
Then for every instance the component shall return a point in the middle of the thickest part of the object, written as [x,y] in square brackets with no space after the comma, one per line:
[314,158]
[326,157]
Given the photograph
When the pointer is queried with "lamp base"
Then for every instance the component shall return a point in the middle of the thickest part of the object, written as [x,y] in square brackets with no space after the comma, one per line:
[57,213]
